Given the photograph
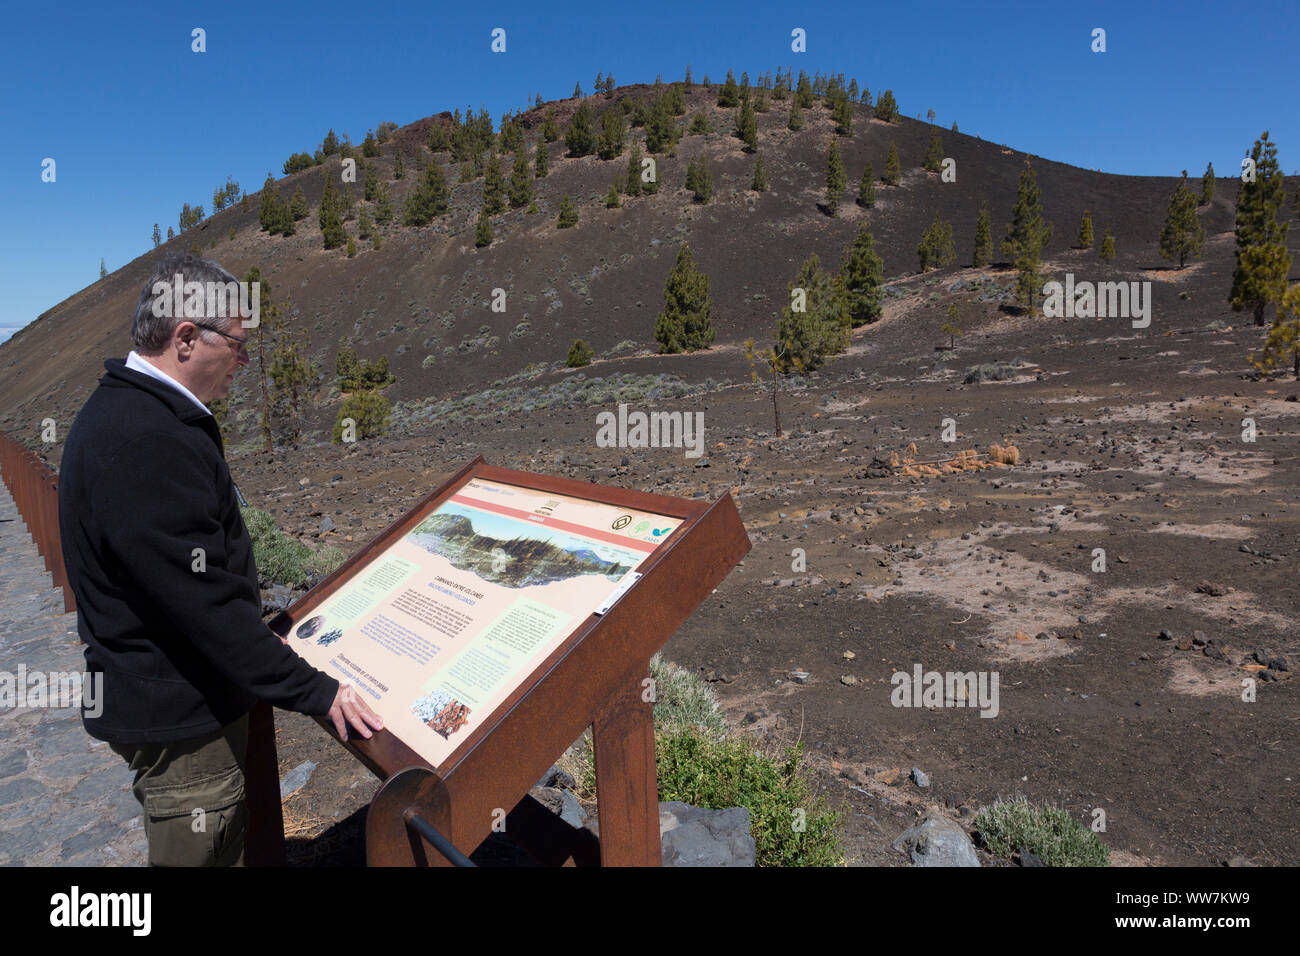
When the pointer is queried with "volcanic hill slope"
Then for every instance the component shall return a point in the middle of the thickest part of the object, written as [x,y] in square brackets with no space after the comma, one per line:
[1130,440]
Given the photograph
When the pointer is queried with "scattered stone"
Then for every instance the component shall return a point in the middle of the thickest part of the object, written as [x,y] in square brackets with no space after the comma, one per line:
[889,777]
[1166,636]
[562,803]
[326,524]
[296,778]
[848,680]
[1199,639]
[937,841]
[849,655]
[920,778]
[1213,590]
[1029,859]
[559,779]
[695,837]
[799,677]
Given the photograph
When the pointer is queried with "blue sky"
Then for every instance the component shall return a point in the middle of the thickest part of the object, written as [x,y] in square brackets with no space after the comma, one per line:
[139,124]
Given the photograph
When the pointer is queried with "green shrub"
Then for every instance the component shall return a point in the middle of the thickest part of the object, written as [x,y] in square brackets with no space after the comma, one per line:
[279,558]
[369,410]
[716,774]
[992,372]
[1049,832]
[580,354]
[683,699]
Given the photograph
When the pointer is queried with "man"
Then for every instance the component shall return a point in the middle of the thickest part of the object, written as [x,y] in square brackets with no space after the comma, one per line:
[161,564]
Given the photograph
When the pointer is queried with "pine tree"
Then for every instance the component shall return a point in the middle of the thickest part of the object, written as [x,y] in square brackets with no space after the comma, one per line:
[759,182]
[747,127]
[950,328]
[429,198]
[1027,234]
[384,205]
[1107,251]
[1085,230]
[103,269]
[686,322]
[331,226]
[293,376]
[1207,185]
[483,231]
[577,90]
[796,115]
[699,179]
[699,125]
[370,145]
[632,182]
[887,107]
[369,182]
[581,137]
[568,213]
[1183,234]
[843,113]
[729,95]
[541,166]
[660,131]
[157,236]
[612,134]
[1262,258]
[803,92]
[835,178]
[936,247]
[347,203]
[266,214]
[399,164]
[816,323]
[983,254]
[1283,340]
[893,168]
[867,187]
[171,233]
[863,274]
[365,227]
[521,180]
[934,152]
[550,129]
[352,248]
[282,217]
[494,187]
[611,198]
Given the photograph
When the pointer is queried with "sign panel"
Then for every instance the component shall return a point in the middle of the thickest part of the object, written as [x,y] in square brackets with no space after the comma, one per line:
[443,624]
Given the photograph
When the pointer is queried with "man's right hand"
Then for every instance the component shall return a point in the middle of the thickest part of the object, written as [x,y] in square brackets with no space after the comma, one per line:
[348,708]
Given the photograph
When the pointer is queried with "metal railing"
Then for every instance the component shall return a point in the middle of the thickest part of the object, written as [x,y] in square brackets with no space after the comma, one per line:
[35,489]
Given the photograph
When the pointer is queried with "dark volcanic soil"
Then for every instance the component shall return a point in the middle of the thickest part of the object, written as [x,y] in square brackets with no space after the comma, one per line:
[1129,441]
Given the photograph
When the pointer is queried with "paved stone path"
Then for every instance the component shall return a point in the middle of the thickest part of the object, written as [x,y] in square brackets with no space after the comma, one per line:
[65,798]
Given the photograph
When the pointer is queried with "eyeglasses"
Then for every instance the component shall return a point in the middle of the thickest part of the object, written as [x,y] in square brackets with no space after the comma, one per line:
[242,342]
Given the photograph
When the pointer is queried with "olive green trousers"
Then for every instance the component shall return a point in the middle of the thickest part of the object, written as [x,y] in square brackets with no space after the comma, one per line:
[192,793]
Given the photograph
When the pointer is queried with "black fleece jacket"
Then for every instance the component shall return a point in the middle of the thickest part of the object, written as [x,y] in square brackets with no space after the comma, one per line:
[142,484]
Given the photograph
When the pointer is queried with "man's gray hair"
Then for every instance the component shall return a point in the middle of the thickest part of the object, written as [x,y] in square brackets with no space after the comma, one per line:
[151,331]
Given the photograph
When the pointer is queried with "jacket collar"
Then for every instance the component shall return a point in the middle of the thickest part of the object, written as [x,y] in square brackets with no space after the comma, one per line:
[117,375]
